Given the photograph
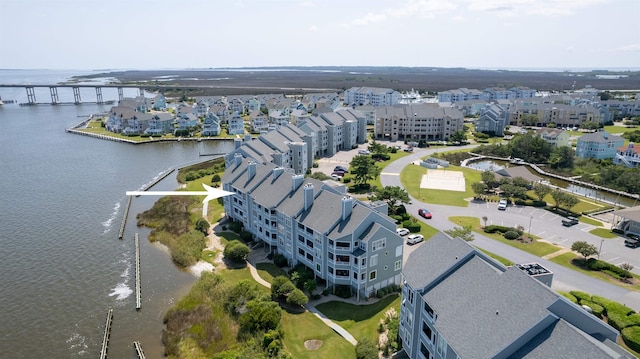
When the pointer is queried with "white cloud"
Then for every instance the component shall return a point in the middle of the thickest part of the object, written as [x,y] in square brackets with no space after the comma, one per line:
[313,28]
[532,7]
[627,48]
[308,4]
[411,8]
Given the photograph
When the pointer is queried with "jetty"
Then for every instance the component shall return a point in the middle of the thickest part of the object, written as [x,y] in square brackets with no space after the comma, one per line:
[160,178]
[106,335]
[138,301]
[139,351]
[124,218]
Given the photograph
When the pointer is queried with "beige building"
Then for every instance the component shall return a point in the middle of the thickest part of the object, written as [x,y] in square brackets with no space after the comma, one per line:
[556,137]
[424,121]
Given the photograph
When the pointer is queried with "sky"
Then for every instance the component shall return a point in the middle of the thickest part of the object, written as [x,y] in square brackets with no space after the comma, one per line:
[163,34]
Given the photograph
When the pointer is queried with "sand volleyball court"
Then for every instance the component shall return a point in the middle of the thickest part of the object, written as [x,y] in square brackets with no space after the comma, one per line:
[443,179]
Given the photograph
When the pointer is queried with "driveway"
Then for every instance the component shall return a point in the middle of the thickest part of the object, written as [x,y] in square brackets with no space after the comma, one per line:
[541,223]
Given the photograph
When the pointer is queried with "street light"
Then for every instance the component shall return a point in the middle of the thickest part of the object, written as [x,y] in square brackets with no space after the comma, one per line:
[530,219]
[600,250]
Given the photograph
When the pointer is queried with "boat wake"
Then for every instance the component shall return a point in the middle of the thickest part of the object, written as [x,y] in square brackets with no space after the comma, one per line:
[78,344]
[107,224]
[122,290]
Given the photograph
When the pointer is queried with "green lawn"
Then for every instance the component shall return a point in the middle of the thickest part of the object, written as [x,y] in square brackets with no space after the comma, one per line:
[504,261]
[584,205]
[268,271]
[383,164]
[590,221]
[410,178]
[565,261]
[537,248]
[300,327]
[360,320]
[603,233]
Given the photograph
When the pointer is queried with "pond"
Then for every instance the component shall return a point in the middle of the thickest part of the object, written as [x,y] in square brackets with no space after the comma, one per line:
[496,165]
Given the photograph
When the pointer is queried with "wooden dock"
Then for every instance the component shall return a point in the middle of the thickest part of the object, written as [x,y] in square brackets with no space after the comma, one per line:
[139,351]
[124,217]
[106,335]
[138,301]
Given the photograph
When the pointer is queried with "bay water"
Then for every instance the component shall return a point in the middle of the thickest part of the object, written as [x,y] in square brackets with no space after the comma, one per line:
[62,266]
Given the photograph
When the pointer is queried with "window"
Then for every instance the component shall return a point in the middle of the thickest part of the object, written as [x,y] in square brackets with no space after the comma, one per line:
[374,261]
[342,272]
[379,244]
[399,251]
[442,346]
[318,268]
[373,275]
[300,251]
[397,265]
[427,331]
[429,311]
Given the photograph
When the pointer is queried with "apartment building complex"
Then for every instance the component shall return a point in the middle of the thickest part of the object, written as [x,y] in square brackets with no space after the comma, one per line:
[360,96]
[423,121]
[599,145]
[459,303]
[343,240]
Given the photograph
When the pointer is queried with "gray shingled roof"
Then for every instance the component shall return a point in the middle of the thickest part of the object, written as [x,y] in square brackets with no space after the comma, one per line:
[272,191]
[432,258]
[561,340]
[324,213]
[244,183]
[480,309]
[358,214]
[599,137]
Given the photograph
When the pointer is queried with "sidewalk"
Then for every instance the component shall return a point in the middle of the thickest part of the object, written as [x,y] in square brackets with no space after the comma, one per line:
[256,257]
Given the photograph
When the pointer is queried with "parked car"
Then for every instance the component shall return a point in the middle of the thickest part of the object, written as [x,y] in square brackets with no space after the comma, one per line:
[570,221]
[363,152]
[408,149]
[336,177]
[502,204]
[340,169]
[632,241]
[414,239]
[402,231]
[423,212]
[337,173]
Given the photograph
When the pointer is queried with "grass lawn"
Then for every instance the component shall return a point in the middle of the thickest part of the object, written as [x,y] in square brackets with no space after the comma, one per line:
[566,259]
[619,129]
[209,256]
[383,164]
[268,271]
[603,233]
[585,205]
[537,248]
[410,178]
[590,221]
[360,320]
[299,327]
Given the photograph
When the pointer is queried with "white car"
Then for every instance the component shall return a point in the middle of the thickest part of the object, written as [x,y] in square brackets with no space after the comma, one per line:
[363,152]
[415,239]
[502,205]
[402,231]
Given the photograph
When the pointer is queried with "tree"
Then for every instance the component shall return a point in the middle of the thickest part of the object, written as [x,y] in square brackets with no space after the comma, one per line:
[484,219]
[364,169]
[564,200]
[392,195]
[377,148]
[584,248]
[561,157]
[479,188]
[365,349]
[310,286]
[260,316]
[236,251]
[202,226]
[297,297]
[458,136]
[489,178]
[463,233]
[541,191]
[530,147]
[215,179]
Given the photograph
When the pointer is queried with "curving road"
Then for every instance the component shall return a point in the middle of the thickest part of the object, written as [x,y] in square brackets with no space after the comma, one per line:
[541,223]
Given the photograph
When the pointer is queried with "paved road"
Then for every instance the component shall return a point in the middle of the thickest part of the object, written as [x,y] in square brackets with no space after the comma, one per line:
[542,223]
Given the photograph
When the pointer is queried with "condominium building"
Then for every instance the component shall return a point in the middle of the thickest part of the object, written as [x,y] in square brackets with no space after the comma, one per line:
[628,155]
[341,239]
[493,120]
[374,96]
[424,121]
[600,145]
[457,302]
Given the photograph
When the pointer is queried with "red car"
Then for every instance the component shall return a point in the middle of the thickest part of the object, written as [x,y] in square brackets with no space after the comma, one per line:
[424,213]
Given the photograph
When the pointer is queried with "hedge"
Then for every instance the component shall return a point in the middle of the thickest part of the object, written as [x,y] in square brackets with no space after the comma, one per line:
[570,296]
[412,227]
[613,270]
[596,309]
[581,295]
[511,235]
[631,337]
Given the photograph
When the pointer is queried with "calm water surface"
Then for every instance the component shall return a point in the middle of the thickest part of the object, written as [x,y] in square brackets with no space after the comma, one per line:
[61,263]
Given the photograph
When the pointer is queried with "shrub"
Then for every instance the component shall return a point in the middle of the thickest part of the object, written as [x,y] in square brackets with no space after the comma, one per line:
[365,349]
[511,235]
[343,291]
[412,227]
[280,260]
[596,309]
[615,271]
[297,297]
[235,226]
[246,236]
[631,337]
[570,296]
[346,179]
[581,295]
[236,251]
[397,218]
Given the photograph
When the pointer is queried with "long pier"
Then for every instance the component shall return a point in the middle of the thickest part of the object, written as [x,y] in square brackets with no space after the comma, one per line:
[106,335]
[160,178]
[124,217]
[139,351]
[138,301]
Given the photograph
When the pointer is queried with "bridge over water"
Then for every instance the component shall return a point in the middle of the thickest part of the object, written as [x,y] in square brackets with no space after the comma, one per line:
[55,100]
